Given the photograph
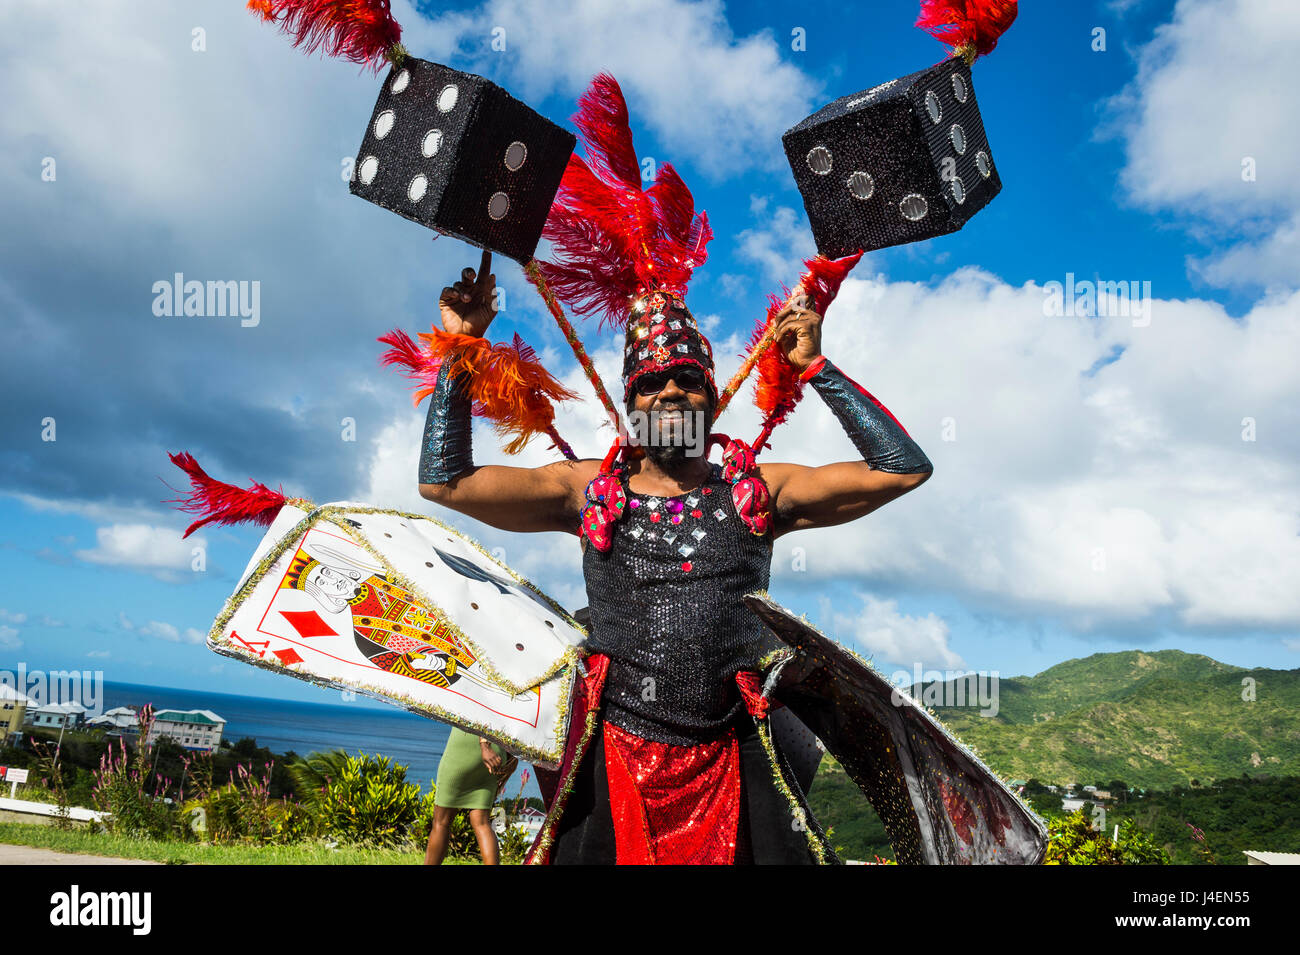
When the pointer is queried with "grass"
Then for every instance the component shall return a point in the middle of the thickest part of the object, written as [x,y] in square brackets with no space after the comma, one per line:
[196,853]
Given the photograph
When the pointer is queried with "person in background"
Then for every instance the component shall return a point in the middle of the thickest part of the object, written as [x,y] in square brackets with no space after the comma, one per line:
[470,774]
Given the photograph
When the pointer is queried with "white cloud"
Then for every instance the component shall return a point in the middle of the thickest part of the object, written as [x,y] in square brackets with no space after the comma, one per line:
[10,617]
[98,654]
[141,547]
[161,630]
[98,511]
[896,637]
[1212,100]
[778,245]
[1269,262]
[1100,490]
[666,54]
[1104,498]
[9,638]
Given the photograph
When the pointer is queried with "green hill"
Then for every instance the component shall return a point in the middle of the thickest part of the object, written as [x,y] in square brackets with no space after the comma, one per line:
[1155,720]
[1158,721]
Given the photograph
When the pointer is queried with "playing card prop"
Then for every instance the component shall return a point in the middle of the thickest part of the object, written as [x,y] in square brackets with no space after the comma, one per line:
[397,606]
[446,149]
[908,159]
[939,803]
[455,152]
[407,610]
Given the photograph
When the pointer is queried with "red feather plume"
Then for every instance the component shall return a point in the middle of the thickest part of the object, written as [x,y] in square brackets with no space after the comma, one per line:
[778,388]
[220,503]
[613,239]
[362,31]
[970,27]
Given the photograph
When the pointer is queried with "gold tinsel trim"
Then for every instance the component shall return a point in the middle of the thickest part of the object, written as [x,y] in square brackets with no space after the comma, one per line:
[547,834]
[797,808]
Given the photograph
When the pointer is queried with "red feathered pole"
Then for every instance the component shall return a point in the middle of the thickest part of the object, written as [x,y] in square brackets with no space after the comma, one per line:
[219,503]
[362,31]
[778,388]
[970,27]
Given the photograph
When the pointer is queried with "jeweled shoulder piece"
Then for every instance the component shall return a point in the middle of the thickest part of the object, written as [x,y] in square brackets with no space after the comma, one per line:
[457,153]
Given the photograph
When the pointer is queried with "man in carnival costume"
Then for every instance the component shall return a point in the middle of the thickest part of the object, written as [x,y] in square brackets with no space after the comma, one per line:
[663,762]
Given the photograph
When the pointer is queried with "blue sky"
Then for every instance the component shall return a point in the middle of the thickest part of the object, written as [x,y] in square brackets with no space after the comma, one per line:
[1099,493]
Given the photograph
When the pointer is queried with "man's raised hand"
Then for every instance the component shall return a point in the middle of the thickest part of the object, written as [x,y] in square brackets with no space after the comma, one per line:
[799,330]
[469,306]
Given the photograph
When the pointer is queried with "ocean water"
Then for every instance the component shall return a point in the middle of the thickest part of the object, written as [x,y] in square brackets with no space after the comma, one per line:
[283,725]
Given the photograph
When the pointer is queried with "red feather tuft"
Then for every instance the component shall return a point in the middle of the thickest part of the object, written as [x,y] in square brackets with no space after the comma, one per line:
[507,383]
[613,239]
[221,503]
[362,31]
[778,388]
[970,27]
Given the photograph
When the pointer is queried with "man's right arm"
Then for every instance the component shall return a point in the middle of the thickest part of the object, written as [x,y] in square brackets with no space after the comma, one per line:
[549,498]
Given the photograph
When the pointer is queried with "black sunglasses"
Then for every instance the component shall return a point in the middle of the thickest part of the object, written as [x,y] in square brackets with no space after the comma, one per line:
[687,379]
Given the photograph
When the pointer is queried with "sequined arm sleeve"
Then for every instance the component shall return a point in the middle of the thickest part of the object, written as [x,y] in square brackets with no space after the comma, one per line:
[879,438]
[446,450]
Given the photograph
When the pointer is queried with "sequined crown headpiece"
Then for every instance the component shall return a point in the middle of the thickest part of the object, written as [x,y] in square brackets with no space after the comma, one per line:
[661,332]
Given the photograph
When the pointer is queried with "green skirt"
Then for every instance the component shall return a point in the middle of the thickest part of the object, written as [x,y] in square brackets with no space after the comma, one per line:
[463,781]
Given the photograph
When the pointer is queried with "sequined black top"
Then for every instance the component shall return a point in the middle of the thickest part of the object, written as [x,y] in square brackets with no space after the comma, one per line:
[666,608]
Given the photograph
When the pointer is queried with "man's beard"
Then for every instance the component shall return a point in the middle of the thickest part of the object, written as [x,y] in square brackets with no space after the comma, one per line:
[671,446]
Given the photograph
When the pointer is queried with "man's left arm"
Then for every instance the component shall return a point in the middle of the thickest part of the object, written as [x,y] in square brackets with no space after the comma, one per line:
[892,463]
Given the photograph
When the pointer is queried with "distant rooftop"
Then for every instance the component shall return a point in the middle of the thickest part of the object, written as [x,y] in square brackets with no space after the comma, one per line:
[9,693]
[1271,858]
[201,717]
[69,707]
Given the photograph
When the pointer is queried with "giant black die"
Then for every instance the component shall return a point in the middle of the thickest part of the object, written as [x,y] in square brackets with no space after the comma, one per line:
[904,161]
[457,153]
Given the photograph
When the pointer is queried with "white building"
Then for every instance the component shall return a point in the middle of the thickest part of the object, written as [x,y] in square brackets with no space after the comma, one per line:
[192,729]
[67,715]
[118,720]
[1255,857]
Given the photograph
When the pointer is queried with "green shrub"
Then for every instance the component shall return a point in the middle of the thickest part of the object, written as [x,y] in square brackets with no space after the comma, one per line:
[364,800]
[1075,842]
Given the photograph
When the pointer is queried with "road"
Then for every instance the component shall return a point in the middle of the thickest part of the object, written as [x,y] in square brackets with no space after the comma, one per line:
[26,855]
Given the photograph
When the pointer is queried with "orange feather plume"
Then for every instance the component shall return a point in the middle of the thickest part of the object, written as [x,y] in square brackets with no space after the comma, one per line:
[507,383]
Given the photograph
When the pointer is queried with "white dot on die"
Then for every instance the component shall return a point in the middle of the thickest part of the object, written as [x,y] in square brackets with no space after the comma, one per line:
[932,106]
[419,185]
[498,205]
[819,160]
[432,142]
[516,153]
[401,81]
[369,166]
[383,123]
[914,207]
[448,97]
